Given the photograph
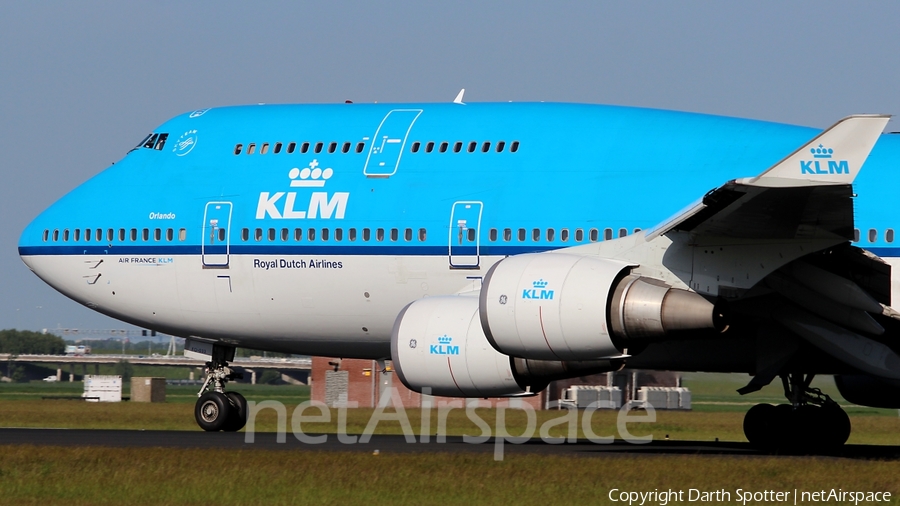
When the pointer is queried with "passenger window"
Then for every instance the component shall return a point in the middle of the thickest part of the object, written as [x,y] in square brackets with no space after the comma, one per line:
[500,146]
[66,235]
[536,234]
[318,148]
[429,147]
[157,234]
[345,148]
[182,234]
[221,235]
[145,234]
[415,147]
[133,235]
[77,235]
[99,234]
[551,233]
[422,235]
[379,235]
[623,232]
[161,142]
[457,147]
[521,235]
[324,234]
[636,230]
[394,234]
[351,234]
[237,148]
[151,141]
[338,234]
[46,235]
[251,148]
[121,235]
[492,235]
[298,234]
[486,146]
[471,234]
[87,235]
[594,235]
[889,235]
[514,147]
[245,234]
[291,147]
[472,146]
[271,234]
[407,235]
[264,148]
[311,234]
[564,235]
[360,146]
[285,234]
[873,235]
[110,235]
[257,234]
[277,148]
[56,235]
[367,234]
[304,147]
[507,234]
[855,235]
[170,235]
[579,235]
[443,148]
[332,147]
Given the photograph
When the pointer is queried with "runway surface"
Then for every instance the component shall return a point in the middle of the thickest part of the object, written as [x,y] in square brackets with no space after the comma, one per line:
[394,444]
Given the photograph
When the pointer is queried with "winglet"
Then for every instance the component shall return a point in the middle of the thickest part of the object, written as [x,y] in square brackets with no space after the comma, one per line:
[835,156]
[459,97]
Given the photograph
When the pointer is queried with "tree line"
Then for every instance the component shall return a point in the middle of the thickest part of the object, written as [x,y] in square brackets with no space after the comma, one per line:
[26,342]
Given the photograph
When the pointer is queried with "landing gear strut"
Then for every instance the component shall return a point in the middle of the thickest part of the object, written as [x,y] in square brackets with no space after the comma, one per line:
[812,420]
[216,409]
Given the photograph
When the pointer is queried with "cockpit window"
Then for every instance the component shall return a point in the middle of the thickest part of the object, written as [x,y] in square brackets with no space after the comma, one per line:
[153,141]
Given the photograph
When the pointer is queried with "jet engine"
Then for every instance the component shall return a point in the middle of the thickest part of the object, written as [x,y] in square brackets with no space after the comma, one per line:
[564,307]
[438,343]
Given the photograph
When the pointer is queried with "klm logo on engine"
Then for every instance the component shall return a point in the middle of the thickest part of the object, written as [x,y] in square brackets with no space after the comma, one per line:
[284,205]
[444,347]
[538,291]
[823,164]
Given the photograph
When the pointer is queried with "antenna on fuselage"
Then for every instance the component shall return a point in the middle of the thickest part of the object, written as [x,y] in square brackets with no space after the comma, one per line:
[459,97]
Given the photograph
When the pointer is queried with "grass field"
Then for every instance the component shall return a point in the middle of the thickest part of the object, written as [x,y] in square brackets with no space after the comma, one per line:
[80,476]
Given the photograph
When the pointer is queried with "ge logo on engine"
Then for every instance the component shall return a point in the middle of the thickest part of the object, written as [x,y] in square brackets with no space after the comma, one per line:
[503,299]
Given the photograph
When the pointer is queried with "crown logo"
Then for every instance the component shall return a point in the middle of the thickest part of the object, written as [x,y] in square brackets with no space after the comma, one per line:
[445,339]
[821,152]
[540,284]
[311,176]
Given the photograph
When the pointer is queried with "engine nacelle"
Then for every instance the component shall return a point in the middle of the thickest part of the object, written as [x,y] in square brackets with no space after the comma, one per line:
[552,306]
[438,343]
[869,390]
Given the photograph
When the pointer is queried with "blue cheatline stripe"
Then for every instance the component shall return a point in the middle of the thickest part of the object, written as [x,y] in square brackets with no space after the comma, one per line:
[884,252]
[280,249]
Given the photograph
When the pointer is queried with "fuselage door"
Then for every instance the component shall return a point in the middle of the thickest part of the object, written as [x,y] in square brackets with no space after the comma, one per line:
[387,144]
[465,234]
[215,245]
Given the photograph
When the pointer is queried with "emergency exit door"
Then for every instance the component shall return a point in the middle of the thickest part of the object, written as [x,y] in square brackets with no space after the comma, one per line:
[215,245]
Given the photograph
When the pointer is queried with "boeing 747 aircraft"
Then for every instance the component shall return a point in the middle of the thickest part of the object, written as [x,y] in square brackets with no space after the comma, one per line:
[489,248]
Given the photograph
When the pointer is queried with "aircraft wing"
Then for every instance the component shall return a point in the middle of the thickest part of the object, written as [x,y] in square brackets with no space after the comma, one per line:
[806,195]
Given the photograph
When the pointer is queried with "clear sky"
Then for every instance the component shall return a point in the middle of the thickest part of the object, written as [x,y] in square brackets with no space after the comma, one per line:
[82,82]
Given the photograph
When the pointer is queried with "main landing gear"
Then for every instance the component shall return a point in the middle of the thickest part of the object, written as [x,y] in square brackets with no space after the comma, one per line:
[217,409]
[812,420]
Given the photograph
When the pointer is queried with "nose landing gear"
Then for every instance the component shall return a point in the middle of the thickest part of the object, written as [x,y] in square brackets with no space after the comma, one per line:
[216,409]
[812,421]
